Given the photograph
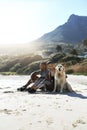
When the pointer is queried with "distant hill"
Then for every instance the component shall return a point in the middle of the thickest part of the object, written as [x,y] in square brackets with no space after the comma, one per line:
[17,49]
[73,31]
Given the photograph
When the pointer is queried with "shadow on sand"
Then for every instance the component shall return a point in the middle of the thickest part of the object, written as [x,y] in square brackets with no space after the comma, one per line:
[78,95]
[73,94]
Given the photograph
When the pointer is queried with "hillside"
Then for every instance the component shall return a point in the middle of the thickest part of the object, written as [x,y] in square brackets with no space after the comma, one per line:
[62,45]
[25,64]
[73,31]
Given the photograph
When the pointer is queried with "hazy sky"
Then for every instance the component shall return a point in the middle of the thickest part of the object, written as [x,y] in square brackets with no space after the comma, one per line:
[22,21]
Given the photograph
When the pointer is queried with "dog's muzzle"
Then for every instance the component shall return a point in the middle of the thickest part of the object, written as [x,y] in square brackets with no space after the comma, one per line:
[59,69]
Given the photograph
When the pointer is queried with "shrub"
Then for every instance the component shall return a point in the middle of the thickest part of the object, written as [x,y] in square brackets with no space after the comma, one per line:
[29,69]
[74,52]
[15,67]
[58,48]
[57,57]
[73,59]
[69,71]
[47,53]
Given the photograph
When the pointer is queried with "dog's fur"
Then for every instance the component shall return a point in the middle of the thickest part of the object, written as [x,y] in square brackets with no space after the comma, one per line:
[60,80]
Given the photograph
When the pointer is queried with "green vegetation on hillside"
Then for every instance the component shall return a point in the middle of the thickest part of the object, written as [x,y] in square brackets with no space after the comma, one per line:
[19,64]
[25,64]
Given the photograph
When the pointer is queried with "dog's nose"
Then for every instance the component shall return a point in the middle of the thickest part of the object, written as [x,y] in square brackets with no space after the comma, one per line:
[59,69]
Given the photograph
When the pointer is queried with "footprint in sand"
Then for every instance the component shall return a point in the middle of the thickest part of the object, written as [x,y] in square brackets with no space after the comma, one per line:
[57,98]
[8,92]
[75,124]
[38,105]
[49,121]
[24,110]
[68,109]
[39,121]
[6,111]
[30,123]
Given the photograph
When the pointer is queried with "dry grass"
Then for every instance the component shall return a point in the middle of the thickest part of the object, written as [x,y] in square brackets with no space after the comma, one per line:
[77,68]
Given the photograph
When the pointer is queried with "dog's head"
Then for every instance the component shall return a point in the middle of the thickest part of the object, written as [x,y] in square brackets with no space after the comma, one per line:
[60,69]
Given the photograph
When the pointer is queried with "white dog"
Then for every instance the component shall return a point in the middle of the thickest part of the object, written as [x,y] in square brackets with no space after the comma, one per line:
[60,80]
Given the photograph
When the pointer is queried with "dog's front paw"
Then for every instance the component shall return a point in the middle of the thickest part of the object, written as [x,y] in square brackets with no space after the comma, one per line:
[61,91]
[54,91]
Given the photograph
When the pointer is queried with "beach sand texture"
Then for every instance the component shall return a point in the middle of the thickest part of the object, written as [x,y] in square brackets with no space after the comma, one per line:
[42,111]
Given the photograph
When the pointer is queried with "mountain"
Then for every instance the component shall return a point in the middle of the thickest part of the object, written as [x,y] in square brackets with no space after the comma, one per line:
[73,31]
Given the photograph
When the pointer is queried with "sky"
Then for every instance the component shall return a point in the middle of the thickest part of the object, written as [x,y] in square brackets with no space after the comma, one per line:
[22,21]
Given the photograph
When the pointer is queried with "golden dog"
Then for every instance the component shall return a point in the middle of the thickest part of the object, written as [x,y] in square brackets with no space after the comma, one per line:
[60,80]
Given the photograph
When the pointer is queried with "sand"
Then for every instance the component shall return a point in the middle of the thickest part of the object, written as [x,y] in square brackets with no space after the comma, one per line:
[42,111]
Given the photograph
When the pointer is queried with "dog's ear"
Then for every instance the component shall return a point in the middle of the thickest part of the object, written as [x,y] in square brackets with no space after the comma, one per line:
[56,68]
[63,68]
[63,64]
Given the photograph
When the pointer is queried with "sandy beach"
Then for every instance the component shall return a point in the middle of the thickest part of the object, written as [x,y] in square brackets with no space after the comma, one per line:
[42,111]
